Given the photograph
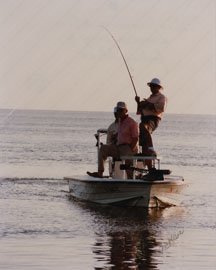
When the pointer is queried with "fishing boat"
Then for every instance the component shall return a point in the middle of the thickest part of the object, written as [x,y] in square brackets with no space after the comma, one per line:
[158,188]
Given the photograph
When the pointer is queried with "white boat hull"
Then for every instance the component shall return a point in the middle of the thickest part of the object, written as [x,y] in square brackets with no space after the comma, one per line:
[140,193]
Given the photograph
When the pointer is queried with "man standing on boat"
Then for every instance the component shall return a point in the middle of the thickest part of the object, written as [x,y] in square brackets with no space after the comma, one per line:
[151,110]
[127,140]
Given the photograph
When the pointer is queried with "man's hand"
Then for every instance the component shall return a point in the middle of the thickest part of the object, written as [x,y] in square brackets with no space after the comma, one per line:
[137,99]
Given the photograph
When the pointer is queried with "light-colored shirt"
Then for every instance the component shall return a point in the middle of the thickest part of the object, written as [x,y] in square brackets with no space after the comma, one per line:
[112,132]
[160,101]
[128,129]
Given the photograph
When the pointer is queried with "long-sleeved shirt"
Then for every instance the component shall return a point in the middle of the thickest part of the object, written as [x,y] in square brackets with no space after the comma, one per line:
[160,101]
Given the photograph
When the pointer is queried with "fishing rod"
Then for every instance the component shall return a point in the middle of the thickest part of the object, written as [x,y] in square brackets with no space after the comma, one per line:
[123,58]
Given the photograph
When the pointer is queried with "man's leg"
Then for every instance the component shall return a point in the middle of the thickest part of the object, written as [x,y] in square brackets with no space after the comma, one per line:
[146,140]
[125,150]
[104,152]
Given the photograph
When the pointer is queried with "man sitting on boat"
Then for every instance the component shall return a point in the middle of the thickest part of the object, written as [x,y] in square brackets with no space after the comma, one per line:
[127,140]
[151,110]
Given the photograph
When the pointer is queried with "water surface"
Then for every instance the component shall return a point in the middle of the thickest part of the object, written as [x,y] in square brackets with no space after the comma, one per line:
[42,227]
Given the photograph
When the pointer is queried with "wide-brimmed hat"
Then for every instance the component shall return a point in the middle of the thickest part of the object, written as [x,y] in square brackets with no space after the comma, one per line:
[121,105]
[155,81]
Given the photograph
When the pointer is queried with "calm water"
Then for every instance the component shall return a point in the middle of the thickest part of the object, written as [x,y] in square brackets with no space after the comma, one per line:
[42,228]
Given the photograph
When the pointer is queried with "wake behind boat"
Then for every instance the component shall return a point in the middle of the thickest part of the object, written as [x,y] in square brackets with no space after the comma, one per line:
[155,188]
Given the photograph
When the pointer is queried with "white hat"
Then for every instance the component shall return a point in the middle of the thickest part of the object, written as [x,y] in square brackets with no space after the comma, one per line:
[121,105]
[155,81]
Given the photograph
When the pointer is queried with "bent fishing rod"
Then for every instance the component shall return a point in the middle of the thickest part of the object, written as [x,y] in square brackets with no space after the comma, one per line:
[123,59]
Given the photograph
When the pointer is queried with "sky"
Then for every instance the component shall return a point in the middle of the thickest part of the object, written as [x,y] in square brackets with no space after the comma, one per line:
[56,55]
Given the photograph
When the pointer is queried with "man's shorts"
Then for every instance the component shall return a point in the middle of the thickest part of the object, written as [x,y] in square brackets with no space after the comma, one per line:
[149,123]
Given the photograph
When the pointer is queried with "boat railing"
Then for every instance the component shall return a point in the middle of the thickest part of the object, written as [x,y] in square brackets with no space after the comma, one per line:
[100,132]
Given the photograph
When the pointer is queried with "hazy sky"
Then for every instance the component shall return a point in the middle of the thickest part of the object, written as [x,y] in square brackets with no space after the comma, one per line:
[55,54]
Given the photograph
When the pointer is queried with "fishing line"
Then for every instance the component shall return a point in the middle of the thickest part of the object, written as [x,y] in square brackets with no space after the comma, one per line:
[123,58]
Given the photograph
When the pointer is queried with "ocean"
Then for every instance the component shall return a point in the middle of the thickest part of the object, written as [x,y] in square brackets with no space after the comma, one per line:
[41,227]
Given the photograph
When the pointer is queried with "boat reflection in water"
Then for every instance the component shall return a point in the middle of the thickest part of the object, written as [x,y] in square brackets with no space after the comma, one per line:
[131,244]
[133,250]
[128,238]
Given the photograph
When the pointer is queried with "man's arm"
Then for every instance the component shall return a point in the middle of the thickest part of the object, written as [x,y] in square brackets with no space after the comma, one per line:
[144,104]
[134,143]
[137,99]
[134,134]
[149,106]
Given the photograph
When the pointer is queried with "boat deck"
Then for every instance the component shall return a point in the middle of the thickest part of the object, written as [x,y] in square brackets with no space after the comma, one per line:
[86,178]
